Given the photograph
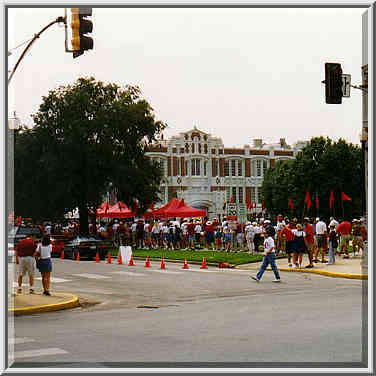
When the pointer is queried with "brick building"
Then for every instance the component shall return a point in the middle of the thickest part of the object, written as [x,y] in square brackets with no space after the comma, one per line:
[200,169]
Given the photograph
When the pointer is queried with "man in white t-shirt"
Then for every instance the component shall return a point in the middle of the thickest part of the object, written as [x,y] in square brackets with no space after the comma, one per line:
[269,258]
[249,235]
[322,240]
[333,222]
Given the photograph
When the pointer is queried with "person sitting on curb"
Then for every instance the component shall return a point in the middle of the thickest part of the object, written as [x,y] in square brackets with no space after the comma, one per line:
[269,258]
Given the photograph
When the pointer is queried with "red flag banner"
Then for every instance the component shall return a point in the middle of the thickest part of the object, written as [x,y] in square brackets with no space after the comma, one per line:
[263,205]
[152,205]
[254,205]
[307,200]
[331,199]
[344,197]
[249,205]
[232,200]
[317,201]
[291,205]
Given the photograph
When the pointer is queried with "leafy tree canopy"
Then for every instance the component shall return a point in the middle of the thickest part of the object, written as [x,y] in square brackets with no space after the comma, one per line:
[87,136]
[322,166]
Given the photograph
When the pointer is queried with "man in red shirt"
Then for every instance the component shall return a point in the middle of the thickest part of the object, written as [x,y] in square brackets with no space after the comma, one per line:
[24,251]
[288,235]
[191,233]
[309,240]
[344,230]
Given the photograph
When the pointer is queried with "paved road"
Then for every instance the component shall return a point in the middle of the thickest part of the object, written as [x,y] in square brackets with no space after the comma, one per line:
[198,316]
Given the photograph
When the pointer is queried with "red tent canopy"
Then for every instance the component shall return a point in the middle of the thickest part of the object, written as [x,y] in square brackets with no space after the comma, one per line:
[183,210]
[160,212]
[119,210]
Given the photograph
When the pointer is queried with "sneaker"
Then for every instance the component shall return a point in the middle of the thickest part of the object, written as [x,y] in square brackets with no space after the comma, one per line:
[19,291]
[31,291]
[276,280]
[255,278]
[290,265]
[46,293]
[309,266]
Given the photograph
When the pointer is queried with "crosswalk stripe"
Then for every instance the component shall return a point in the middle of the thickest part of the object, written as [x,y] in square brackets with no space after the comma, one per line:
[16,341]
[39,352]
[93,276]
[129,273]
[56,280]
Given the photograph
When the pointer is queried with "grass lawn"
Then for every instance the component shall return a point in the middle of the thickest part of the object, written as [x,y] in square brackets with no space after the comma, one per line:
[211,256]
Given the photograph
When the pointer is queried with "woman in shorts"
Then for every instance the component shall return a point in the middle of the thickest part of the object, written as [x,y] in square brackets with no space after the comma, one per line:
[43,254]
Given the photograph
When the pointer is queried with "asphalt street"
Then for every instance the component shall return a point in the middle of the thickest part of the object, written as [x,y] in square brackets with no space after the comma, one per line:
[142,316]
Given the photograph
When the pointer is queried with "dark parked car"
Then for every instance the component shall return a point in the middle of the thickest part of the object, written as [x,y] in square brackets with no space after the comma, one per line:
[18,233]
[87,247]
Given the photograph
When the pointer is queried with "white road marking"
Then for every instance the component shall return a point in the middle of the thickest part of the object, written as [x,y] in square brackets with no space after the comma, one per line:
[93,276]
[39,352]
[129,273]
[166,271]
[56,280]
[18,340]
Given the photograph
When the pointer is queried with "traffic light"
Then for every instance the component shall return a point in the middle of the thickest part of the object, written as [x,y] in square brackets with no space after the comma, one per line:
[333,83]
[80,26]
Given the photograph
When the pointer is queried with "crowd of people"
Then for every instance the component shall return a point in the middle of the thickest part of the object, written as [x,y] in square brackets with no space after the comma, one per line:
[311,236]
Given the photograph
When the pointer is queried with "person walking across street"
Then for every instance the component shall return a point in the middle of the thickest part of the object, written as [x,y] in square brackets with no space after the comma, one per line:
[269,258]
[43,253]
[25,262]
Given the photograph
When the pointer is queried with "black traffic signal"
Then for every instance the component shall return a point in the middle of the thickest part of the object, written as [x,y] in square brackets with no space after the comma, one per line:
[81,26]
[333,83]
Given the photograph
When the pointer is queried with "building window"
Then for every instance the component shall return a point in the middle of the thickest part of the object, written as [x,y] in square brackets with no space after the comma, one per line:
[217,167]
[253,194]
[178,169]
[186,167]
[228,194]
[199,148]
[206,148]
[195,164]
[193,147]
[240,195]
[264,167]
[258,168]
[227,168]
[187,148]
[233,169]
[240,167]
[162,164]
[205,168]
[233,194]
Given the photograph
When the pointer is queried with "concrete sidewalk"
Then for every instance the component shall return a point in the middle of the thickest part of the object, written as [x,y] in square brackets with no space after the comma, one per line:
[343,268]
[25,303]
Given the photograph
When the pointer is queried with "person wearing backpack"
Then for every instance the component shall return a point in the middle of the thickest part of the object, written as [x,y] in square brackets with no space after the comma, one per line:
[333,244]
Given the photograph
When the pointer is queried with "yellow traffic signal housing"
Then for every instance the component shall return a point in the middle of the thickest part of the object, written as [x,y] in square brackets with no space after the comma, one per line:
[80,26]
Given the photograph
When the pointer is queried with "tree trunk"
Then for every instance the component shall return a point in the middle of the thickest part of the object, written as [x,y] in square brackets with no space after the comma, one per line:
[84,220]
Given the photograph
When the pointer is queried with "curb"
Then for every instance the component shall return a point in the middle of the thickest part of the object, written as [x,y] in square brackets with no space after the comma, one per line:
[328,274]
[71,303]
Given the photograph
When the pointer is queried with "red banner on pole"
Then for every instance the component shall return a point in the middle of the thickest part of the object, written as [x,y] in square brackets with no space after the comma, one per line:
[307,200]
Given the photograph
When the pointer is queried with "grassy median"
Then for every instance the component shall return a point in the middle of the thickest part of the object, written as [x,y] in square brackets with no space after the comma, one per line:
[198,255]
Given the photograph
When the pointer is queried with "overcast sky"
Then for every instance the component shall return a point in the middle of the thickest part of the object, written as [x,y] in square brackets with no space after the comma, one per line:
[238,74]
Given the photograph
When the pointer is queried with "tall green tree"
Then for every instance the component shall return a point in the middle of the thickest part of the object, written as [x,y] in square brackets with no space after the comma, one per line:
[87,136]
[322,166]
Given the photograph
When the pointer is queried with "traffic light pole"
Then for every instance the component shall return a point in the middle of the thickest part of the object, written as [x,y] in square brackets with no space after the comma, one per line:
[36,36]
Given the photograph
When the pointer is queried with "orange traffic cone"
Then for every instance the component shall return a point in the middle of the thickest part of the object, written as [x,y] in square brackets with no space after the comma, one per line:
[109,258]
[163,265]
[120,261]
[78,257]
[147,262]
[62,254]
[204,266]
[97,257]
[131,263]
[185,264]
